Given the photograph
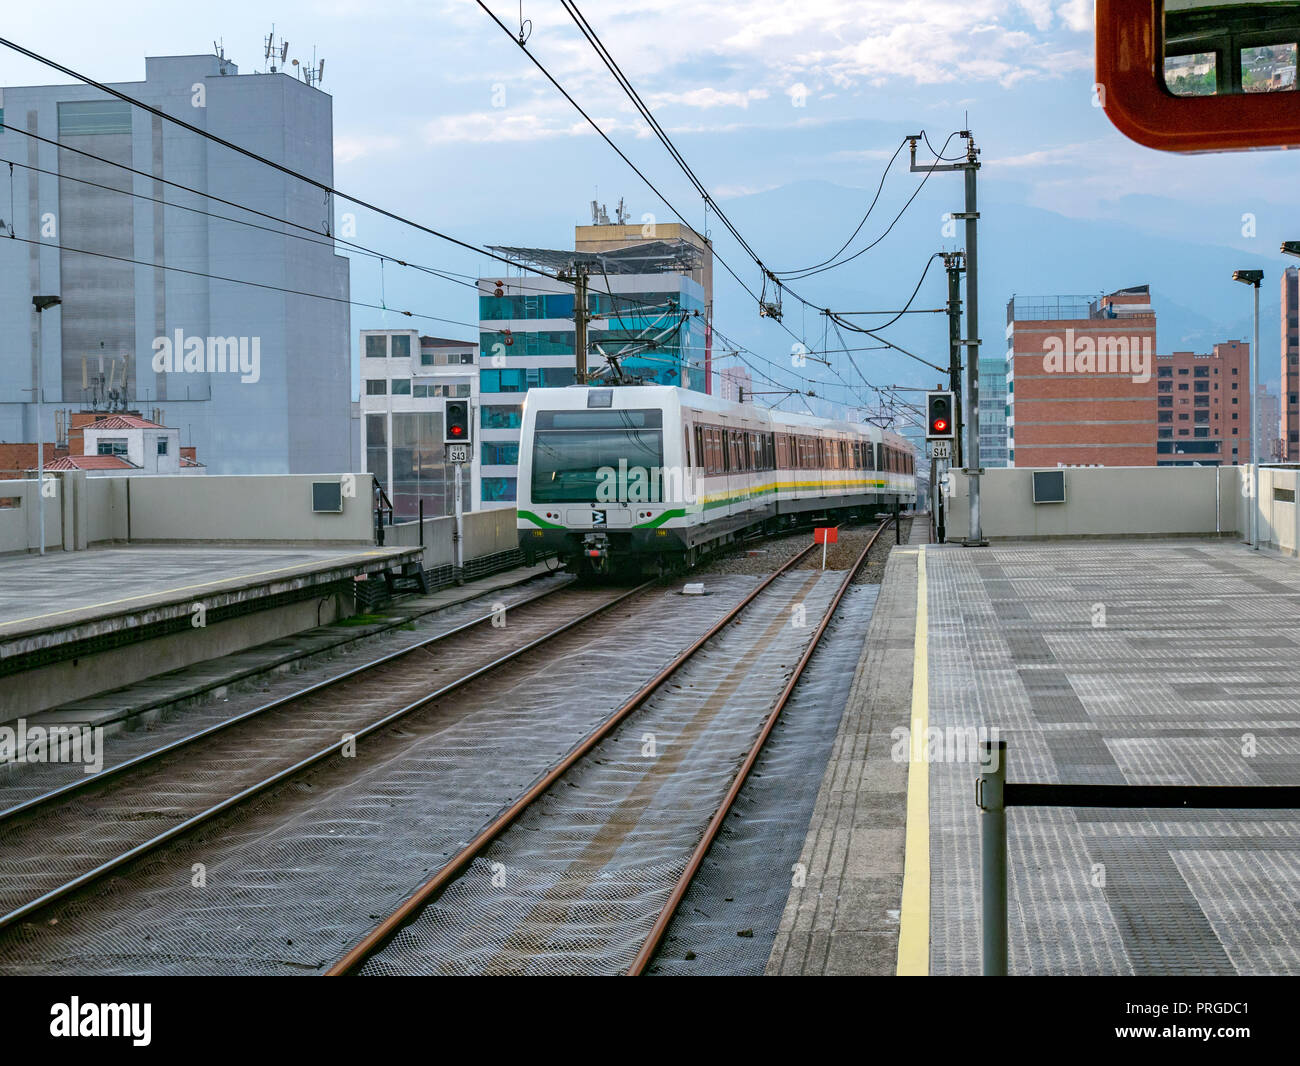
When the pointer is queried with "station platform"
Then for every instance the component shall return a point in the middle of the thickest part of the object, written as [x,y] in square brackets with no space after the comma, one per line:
[1098,662]
[75,623]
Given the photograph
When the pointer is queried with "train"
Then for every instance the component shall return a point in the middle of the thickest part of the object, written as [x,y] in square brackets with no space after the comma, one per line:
[652,478]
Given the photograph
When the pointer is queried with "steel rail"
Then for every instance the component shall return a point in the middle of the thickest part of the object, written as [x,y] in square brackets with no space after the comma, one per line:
[351,961]
[179,829]
[669,909]
[85,783]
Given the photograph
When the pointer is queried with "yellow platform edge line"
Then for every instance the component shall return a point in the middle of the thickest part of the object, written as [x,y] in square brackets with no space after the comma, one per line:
[914,919]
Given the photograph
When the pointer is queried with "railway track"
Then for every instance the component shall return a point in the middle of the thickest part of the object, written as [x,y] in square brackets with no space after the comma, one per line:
[70,837]
[38,783]
[366,955]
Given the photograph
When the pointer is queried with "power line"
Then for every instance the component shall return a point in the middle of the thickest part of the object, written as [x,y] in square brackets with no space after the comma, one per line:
[635,169]
[797,275]
[861,223]
[240,281]
[248,153]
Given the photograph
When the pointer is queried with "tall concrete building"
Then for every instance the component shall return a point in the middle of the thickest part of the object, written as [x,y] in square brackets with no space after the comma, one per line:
[257,378]
[649,316]
[1290,398]
[1080,380]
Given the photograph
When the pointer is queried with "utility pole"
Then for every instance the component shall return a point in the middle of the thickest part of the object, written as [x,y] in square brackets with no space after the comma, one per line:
[954,265]
[580,317]
[971,403]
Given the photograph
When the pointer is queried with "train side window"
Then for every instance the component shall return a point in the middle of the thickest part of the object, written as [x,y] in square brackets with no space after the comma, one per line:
[699,446]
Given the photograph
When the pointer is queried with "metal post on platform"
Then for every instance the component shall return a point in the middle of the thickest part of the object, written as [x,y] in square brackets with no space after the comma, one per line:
[898,530]
[41,303]
[458,533]
[989,796]
[421,521]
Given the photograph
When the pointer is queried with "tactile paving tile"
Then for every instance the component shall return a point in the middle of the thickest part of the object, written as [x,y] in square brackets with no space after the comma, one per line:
[1197,655]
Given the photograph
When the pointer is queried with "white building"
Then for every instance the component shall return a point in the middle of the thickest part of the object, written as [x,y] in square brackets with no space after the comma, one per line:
[127,445]
[406,380]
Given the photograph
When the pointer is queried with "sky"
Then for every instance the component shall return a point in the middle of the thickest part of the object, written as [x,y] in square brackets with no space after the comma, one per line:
[788,112]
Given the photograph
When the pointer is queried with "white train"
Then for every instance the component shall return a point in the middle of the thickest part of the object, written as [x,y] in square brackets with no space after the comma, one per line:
[651,476]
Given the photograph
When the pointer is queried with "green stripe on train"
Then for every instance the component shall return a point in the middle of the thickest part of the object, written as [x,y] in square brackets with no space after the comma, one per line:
[539,521]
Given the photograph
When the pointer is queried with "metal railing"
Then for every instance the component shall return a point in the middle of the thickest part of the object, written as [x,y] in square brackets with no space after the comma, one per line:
[994,794]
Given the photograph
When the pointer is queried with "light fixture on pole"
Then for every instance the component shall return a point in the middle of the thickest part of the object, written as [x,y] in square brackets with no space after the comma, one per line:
[1253,278]
[1291,248]
[41,303]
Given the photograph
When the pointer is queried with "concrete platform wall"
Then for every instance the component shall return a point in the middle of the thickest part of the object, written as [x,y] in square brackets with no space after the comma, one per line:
[232,509]
[1279,515]
[1105,501]
[486,533]
[269,507]
[20,525]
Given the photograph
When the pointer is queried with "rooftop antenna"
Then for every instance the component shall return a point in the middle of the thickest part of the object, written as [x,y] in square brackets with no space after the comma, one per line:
[219,49]
[621,213]
[271,53]
[312,73]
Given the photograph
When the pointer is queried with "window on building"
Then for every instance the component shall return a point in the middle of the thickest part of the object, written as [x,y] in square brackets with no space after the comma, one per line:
[377,446]
[401,346]
[111,446]
[401,386]
[1201,372]
[1165,372]
[1165,416]
[499,489]
[1183,417]
[1182,387]
[436,358]
[162,445]
[376,387]
[498,417]
[376,346]
[499,453]
[80,118]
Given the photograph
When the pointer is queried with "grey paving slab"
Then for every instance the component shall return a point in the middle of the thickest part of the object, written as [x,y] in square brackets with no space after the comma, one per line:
[1142,662]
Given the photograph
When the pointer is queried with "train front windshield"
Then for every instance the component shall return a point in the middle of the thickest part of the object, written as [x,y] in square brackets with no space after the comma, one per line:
[595,456]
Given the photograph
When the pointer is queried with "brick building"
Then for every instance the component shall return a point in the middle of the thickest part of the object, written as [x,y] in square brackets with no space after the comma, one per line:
[1085,388]
[1081,380]
[1203,407]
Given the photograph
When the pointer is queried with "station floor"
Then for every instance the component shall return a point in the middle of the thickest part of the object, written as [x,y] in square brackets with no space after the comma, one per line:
[1107,662]
[61,588]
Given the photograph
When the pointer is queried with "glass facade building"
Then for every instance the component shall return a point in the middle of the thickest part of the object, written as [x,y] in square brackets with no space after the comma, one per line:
[655,324]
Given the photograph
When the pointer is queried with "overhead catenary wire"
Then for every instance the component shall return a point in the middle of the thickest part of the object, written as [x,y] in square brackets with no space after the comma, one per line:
[331,190]
[255,156]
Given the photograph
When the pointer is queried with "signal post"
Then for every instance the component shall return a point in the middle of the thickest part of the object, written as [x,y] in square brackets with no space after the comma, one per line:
[459,439]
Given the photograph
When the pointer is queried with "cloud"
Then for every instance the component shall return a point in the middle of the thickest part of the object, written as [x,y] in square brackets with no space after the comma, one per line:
[708,98]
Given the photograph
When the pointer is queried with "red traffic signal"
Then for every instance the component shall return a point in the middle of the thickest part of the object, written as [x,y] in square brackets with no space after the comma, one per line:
[938,416]
[457,426]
